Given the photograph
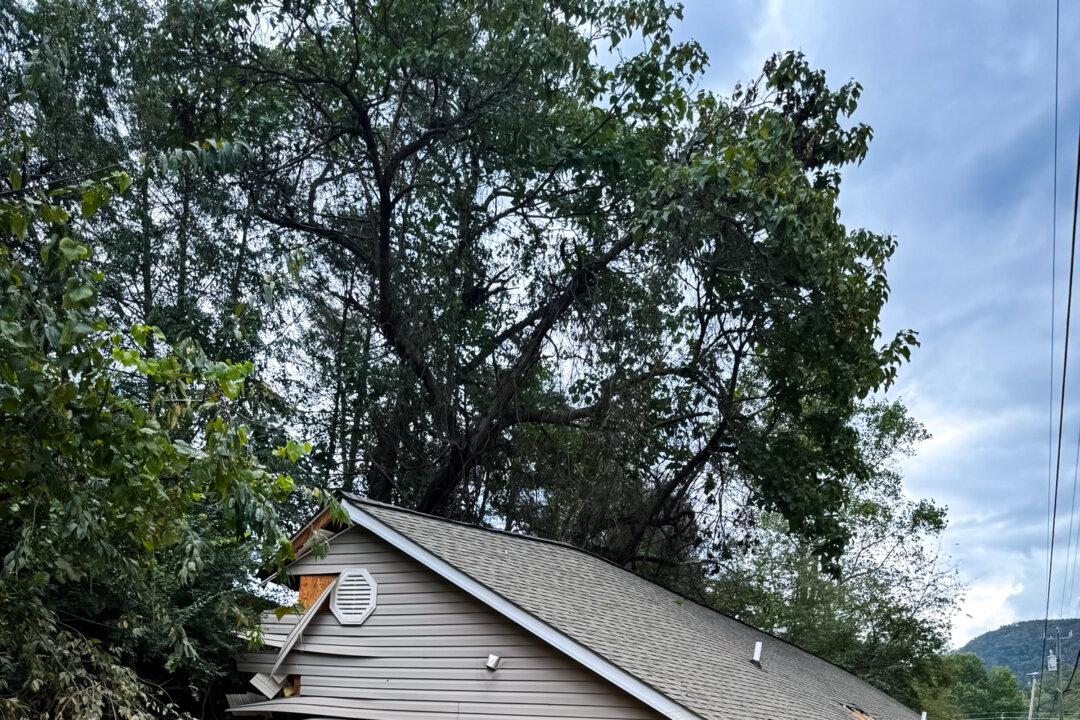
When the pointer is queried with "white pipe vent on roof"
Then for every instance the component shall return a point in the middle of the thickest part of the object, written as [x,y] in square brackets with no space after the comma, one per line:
[354,596]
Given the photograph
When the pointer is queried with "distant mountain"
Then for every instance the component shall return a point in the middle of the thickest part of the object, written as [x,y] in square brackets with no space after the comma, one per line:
[1019,646]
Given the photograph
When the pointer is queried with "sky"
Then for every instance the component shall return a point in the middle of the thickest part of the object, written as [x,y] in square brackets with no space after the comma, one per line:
[960,94]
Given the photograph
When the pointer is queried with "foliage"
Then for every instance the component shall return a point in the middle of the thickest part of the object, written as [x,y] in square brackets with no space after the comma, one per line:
[974,691]
[98,87]
[116,509]
[491,276]
[1018,646]
[542,250]
[886,613]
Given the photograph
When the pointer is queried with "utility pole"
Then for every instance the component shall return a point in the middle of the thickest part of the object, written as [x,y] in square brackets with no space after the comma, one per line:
[1061,690]
[1031,703]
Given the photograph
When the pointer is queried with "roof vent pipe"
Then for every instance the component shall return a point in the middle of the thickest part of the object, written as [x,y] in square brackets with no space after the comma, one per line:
[757,654]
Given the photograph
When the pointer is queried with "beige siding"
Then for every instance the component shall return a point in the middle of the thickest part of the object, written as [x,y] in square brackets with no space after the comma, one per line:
[421,654]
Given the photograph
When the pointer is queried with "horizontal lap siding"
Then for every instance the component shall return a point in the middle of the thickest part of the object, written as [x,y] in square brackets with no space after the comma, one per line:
[422,651]
[455,710]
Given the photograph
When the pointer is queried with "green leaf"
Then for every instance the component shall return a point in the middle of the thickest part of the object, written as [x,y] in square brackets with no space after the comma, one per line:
[72,250]
[78,294]
[53,214]
[17,223]
[139,332]
[91,201]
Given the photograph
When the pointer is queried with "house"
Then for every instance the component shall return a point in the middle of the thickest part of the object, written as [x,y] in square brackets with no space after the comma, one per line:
[414,617]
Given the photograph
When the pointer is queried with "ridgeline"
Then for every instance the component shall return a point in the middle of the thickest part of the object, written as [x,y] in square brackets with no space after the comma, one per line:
[1018,646]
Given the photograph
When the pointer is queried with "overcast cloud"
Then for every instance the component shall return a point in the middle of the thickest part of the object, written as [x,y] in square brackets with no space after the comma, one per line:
[960,96]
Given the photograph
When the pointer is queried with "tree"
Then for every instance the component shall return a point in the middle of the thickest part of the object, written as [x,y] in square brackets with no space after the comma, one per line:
[179,251]
[974,691]
[885,614]
[494,276]
[128,522]
[542,248]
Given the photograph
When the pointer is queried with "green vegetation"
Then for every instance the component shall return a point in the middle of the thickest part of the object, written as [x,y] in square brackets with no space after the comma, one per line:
[887,614]
[485,274]
[973,691]
[128,518]
[1019,646]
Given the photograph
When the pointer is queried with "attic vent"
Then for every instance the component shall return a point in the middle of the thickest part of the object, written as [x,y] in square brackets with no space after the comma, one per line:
[354,596]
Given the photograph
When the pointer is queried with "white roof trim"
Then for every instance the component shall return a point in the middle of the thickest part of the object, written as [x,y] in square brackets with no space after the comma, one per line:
[590,659]
[298,629]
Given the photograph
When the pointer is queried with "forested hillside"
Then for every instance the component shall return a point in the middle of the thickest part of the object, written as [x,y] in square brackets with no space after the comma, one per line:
[1019,646]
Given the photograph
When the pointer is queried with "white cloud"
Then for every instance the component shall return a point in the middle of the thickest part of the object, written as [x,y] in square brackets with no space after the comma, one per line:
[986,607]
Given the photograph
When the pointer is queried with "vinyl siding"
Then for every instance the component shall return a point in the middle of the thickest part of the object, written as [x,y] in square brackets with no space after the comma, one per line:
[421,654]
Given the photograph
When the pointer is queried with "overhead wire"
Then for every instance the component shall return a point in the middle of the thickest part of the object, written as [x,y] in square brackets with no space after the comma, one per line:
[1051,503]
[1061,407]
[1072,675]
[1053,278]
[1068,584]
[1071,572]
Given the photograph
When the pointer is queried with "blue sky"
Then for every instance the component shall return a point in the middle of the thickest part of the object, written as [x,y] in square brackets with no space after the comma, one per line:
[960,96]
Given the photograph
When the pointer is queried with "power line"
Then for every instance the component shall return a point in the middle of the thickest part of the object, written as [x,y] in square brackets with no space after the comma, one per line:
[1061,408]
[1061,404]
[1053,283]
[1051,519]
[1066,585]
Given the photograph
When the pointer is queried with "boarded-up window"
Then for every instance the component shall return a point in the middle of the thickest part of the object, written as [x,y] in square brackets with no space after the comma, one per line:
[311,586]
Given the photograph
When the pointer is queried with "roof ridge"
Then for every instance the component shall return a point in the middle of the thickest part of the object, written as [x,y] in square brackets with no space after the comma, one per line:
[473,526]
[522,536]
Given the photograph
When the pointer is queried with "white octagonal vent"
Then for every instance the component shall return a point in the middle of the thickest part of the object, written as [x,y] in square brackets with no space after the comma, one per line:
[354,596]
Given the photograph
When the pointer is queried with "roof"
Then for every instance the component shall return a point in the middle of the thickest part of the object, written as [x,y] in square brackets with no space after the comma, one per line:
[693,655]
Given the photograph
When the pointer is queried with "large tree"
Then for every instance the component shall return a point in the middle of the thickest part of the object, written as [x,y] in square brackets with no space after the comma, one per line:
[500,260]
[885,612]
[555,260]
[180,250]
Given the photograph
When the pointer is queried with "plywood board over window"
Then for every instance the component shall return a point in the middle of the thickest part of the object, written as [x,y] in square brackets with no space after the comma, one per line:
[312,586]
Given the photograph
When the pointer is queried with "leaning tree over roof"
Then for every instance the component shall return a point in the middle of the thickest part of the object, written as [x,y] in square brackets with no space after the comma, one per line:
[560,262]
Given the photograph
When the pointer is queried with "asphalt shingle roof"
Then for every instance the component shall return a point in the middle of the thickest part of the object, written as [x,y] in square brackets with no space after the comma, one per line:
[694,655]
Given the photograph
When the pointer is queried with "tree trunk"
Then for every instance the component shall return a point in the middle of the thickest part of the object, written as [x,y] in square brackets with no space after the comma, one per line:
[146,270]
[182,249]
[384,460]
